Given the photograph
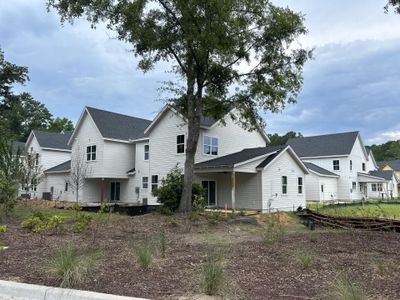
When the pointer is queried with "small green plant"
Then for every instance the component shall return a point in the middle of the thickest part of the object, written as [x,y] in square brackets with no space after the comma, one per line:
[199,203]
[304,259]
[3,228]
[215,217]
[82,222]
[194,216]
[33,223]
[144,253]
[71,266]
[274,229]
[345,289]
[162,244]
[172,220]
[55,223]
[213,275]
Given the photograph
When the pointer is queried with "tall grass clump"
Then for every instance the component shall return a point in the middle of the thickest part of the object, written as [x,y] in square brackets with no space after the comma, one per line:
[345,289]
[304,259]
[144,251]
[213,275]
[71,266]
[274,229]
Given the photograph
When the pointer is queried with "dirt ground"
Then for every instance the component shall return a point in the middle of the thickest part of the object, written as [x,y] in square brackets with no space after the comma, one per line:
[255,270]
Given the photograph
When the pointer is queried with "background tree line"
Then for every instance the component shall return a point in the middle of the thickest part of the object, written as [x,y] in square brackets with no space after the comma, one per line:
[20,113]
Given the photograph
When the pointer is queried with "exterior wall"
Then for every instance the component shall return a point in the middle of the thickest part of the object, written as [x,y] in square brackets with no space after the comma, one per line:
[272,195]
[118,159]
[142,170]
[57,181]
[314,191]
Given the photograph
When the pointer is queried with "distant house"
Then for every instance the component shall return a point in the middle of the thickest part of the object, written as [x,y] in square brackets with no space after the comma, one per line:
[342,168]
[128,157]
[390,165]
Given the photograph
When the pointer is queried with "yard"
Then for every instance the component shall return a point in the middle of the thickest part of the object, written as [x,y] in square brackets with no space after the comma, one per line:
[273,258]
[388,211]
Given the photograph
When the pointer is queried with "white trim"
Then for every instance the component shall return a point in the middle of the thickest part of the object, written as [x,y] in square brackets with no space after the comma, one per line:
[326,156]
[371,176]
[202,144]
[56,149]
[116,140]
[294,156]
[57,172]
[139,140]
[144,152]
[324,175]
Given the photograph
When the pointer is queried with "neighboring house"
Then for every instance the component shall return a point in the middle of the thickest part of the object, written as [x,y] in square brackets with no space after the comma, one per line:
[50,149]
[128,157]
[341,168]
[390,165]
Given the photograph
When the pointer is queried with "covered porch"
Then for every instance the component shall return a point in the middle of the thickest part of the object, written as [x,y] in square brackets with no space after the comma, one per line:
[373,187]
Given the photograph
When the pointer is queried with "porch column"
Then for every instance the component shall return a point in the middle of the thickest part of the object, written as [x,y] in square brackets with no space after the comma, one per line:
[233,190]
[101,190]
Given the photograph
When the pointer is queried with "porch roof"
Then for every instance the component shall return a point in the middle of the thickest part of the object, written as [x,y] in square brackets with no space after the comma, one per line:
[386,174]
[61,168]
[231,160]
[365,177]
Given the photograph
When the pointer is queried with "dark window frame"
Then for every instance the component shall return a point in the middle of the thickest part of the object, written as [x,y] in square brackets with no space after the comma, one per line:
[180,144]
[284,181]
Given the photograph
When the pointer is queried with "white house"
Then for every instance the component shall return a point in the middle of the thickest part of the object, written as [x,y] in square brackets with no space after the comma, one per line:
[127,157]
[341,168]
[50,149]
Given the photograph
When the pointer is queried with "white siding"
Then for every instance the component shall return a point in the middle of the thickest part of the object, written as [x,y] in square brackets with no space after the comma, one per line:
[283,165]
[314,191]
[118,159]
[142,170]
[57,181]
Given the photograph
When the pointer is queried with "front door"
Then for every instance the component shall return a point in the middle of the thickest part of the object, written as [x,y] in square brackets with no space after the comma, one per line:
[210,192]
[115,191]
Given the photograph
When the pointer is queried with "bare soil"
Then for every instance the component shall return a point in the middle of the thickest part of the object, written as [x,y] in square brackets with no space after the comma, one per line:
[255,270]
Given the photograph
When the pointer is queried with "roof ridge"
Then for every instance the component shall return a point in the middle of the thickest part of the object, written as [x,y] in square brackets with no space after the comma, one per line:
[116,113]
[326,134]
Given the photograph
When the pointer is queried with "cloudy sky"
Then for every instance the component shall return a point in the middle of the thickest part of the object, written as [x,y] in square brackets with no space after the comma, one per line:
[352,84]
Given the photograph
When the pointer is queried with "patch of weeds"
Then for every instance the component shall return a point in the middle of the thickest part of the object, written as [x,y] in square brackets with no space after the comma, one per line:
[172,220]
[71,266]
[313,238]
[213,274]
[162,244]
[81,222]
[274,229]
[3,228]
[165,211]
[304,259]
[144,251]
[345,289]
[194,216]
[215,217]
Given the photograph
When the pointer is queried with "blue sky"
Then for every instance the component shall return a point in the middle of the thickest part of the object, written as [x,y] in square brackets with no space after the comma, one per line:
[352,84]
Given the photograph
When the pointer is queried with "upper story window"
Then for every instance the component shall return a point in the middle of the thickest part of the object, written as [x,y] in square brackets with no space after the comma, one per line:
[210,145]
[180,143]
[146,152]
[37,159]
[300,185]
[284,184]
[363,166]
[336,165]
[351,165]
[91,153]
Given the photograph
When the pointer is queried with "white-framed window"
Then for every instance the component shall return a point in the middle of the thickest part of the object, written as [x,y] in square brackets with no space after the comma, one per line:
[154,182]
[145,182]
[363,166]
[351,165]
[91,152]
[210,145]
[34,185]
[66,186]
[180,143]
[284,185]
[380,189]
[146,152]
[300,185]
[373,187]
[336,165]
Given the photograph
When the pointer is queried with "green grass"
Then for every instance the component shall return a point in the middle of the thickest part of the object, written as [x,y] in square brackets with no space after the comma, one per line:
[372,210]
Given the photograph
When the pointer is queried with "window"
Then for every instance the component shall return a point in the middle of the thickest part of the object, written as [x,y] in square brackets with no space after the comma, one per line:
[300,185]
[322,188]
[373,187]
[210,192]
[37,159]
[34,185]
[145,182]
[363,166]
[180,143]
[336,166]
[353,186]
[115,191]
[284,184]
[154,182]
[146,152]
[210,145]
[380,187]
[91,153]
[66,186]
[351,165]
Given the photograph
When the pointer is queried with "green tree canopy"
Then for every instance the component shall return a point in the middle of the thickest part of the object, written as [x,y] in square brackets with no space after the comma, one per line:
[21,113]
[393,3]
[387,151]
[227,54]
[276,139]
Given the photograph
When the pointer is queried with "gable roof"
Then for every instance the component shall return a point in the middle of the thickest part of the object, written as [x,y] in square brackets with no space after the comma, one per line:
[387,174]
[394,164]
[324,145]
[238,157]
[61,168]
[319,170]
[52,140]
[118,126]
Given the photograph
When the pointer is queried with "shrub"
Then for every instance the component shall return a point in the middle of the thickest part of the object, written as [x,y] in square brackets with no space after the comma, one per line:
[199,203]
[274,230]
[55,223]
[170,192]
[194,216]
[82,222]
[172,220]
[213,276]
[71,266]
[144,253]
[215,217]
[344,289]
[3,228]
[33,223]
[304,259]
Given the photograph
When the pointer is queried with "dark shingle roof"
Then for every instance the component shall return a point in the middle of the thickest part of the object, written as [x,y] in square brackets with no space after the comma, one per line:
[394,164]
[234,158]
[207,121]
[118,126]
[319,170]
[53,140]
[17,145]
[64,167]
[324,145]
[382,174]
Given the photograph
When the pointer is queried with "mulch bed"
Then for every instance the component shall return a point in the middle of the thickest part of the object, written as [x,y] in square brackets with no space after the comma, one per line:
[256,270]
